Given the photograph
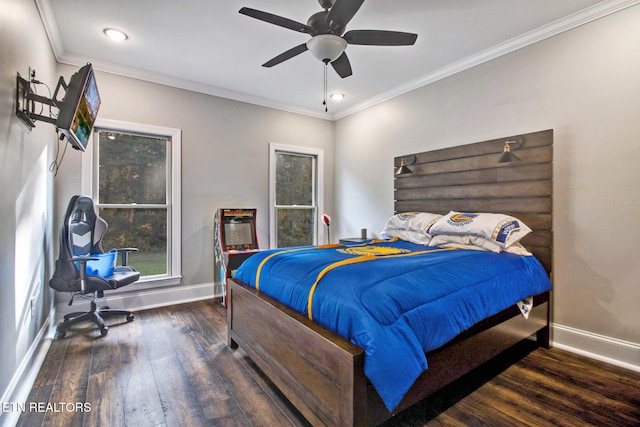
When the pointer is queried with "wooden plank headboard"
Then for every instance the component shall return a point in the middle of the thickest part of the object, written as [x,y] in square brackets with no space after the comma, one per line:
[468,178]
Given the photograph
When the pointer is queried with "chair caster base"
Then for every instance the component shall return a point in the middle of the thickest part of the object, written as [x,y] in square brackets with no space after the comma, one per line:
[96,315]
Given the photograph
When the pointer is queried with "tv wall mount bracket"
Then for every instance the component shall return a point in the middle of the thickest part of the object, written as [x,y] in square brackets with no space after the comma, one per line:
[27,100]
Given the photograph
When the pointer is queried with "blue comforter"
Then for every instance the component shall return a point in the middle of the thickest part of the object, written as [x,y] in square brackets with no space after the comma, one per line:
[395,299]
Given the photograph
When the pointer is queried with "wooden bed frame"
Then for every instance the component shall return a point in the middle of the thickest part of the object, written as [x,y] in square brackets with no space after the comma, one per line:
[322,374]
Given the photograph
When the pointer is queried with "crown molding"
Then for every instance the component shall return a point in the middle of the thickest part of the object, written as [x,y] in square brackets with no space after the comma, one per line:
[55,40]
[162,79]
[585,16]
[592,13]
[51,27]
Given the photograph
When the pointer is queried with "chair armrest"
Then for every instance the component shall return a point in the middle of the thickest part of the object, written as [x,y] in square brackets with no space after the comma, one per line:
[124,254]
[82,260]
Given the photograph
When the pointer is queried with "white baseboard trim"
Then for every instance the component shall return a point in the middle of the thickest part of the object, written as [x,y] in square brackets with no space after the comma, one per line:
[606,349]
[143,299]
[25,376]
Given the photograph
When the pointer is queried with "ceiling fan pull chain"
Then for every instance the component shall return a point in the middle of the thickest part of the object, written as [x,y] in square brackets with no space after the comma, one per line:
[324,102]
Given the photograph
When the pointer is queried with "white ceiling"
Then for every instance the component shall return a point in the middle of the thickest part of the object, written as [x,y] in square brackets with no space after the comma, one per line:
[207,46]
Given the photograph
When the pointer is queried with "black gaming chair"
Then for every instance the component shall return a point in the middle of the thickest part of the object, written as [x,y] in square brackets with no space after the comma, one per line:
[80,237]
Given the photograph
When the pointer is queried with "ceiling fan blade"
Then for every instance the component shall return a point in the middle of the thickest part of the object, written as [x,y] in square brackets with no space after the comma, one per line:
[342,66]
[276,20]
[286,55]
[380,38]
[341,13]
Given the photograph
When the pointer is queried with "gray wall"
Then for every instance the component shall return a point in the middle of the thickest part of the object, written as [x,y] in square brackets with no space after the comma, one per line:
[225,147]
[26,191]
[584,84]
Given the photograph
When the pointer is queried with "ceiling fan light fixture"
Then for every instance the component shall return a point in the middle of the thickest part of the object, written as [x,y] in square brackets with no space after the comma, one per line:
[327,47]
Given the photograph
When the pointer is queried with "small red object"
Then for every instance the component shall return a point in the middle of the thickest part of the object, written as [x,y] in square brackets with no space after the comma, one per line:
[326,218]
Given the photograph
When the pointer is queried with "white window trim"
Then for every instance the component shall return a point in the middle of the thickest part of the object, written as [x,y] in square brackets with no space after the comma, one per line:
[89,187]
[294,149]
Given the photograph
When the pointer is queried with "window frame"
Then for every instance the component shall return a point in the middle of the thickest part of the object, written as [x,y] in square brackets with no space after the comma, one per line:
[318,154]
[174,186]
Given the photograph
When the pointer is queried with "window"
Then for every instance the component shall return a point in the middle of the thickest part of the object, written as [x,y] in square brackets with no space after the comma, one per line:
[134,181]
[296,195]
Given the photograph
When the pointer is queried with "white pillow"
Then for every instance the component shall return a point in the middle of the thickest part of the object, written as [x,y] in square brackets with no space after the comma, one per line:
[518,249]
[466,241]
[418,222]
[469,241]
[501,229]
[408,235]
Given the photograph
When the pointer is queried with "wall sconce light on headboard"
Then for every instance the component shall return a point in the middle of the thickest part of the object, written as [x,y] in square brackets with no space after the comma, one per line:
[509,146]
[405,162]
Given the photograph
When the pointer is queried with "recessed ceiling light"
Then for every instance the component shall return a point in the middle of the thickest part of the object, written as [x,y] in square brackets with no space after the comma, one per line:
[114,34]
[337,96]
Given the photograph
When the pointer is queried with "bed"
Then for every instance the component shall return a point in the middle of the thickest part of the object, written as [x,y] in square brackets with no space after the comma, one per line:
[323,374]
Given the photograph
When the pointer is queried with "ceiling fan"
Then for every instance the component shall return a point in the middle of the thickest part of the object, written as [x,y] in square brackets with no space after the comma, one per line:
[328,39]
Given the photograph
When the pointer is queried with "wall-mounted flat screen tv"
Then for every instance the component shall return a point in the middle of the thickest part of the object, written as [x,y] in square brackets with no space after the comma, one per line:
[79,108]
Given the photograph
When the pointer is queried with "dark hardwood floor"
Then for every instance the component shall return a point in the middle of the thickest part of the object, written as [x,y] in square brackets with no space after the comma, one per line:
[171,367]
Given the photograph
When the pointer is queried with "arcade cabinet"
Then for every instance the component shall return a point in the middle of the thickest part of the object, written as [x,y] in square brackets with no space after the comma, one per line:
[235,240]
